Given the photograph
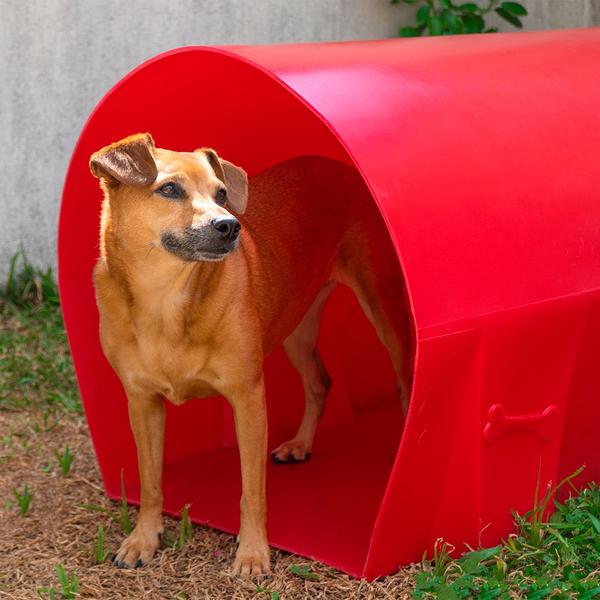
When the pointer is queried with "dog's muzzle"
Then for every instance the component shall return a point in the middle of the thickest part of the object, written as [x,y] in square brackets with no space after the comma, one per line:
[213,241]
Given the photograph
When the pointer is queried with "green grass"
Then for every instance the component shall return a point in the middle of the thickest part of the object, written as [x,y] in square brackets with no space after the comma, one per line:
[23,499]
[65,460]
[36,370]
[99,551]
[69,585]
[184,533]
[557,557]
[303,572]
[185,529]
[124,518]
[27,285]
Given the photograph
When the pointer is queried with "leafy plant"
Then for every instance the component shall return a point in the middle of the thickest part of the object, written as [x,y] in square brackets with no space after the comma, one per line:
[441,556]
[531,524]
[124,519]
[185,528]
[303,572]
[98,550]
[184,532]
[28,285]
[262,590]
[23,499]
[47,590]
[69,585]
[445,17]
[65,459]
[45,426]
[556,557]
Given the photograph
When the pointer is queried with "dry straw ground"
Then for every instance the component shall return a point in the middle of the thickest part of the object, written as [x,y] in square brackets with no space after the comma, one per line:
[55,531]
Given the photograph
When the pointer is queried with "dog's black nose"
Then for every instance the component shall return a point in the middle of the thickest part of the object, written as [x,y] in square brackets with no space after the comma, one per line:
[228,227]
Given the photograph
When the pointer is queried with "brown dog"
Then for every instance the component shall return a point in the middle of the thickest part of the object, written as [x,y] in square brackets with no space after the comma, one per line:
[191,300]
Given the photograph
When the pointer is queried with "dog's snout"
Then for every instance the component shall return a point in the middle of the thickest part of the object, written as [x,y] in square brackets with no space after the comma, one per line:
[228,227]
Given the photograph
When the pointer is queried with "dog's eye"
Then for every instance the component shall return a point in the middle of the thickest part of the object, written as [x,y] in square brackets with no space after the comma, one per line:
[171,190]
[221,197]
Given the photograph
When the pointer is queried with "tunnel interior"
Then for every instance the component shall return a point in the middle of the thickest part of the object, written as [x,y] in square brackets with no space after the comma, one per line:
[327,506]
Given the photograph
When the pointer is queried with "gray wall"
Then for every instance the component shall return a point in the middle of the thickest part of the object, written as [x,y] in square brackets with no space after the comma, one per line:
[58,57]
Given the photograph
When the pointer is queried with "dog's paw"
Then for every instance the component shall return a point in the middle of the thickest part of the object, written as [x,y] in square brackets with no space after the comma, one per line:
[137,549]
[252,560]
[293,451]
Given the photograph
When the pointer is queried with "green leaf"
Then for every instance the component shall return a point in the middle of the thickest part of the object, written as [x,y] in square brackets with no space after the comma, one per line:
[445,592]
[124,518]
[62,575]
[303,572]
[410,32]
[452,22]
[435,25]
[423,14]
[515,8]
[446,3]
[472,559]
[507,16]
[595,523]
[426,582]
[469,7]
[473,23]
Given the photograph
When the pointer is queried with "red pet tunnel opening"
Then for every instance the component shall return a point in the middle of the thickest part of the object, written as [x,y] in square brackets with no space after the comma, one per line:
[481,160]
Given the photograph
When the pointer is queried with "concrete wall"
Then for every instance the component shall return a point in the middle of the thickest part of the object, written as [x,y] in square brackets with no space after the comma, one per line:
[58,57]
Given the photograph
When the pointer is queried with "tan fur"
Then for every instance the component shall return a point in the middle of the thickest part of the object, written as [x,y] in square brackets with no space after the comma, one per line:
[181,330]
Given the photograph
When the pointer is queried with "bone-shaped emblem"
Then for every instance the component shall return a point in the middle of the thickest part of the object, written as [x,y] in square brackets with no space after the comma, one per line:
[498,422]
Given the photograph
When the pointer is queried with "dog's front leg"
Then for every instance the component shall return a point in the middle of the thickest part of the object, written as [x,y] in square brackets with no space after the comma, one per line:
[147,419]
[252,557]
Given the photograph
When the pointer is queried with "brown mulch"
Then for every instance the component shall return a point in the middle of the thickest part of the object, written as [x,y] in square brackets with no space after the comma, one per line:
[55,531]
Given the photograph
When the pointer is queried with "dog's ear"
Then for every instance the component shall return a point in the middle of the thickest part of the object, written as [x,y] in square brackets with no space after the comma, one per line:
[234,178]
[130,161]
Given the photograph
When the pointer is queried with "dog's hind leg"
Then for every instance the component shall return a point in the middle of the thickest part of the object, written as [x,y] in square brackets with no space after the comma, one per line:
[301,348]
[385,306]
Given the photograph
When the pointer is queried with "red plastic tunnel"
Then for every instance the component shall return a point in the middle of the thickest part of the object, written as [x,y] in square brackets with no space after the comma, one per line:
[482,155]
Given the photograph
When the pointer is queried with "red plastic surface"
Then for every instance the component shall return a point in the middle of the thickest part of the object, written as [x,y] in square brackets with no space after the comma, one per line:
[482,154]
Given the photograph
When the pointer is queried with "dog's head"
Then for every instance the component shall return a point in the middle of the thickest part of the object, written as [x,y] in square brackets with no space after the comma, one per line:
[178,201]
